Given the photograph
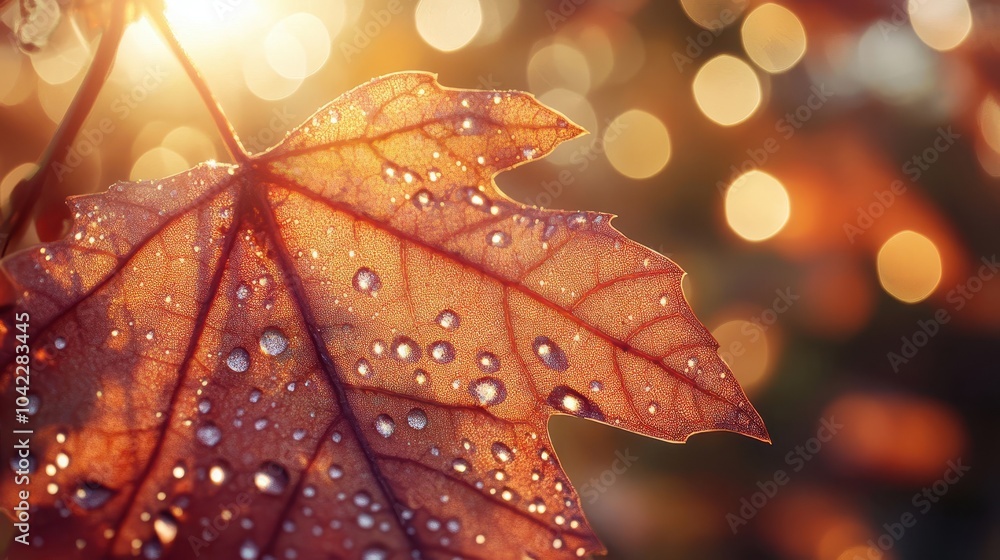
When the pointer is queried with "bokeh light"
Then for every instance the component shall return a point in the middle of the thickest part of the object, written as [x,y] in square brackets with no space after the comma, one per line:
[559,65]
[743,345]
[448,25]
[757,206]
[909,266]
[297,46]
[579,110]
[14,176]
[190,143]
[989,121]
[157,163]
[941,24]
[894,65]
[637,144]
[773,37]
[262,80]
[727,90]
[714,14]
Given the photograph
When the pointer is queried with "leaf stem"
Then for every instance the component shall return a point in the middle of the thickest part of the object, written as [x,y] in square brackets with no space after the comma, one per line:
[226,130]
[29,190]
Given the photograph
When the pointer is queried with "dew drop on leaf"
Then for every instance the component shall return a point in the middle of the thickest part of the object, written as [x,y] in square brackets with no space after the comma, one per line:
[273,341]
[91,495]
[498,239]
[366,280]
[385,425]
[442,352]
[501,452]
[488,362]
[238,360]
[271,478]
[209,434]
[488,391]
[550,354]
[417,419]
[448,320]
[571,402]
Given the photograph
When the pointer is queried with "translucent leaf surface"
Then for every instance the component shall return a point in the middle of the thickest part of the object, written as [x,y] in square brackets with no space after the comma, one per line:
[348,347]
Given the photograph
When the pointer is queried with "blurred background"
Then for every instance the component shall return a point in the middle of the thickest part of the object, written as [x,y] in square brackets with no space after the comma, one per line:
[828,173]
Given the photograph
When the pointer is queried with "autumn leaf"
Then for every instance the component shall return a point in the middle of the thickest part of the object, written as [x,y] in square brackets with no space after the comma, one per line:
[347,347]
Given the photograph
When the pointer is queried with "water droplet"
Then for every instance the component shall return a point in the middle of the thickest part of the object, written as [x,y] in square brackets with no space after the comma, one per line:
[218,473]
[664,300]
[238,360]
[209,434]
[34,401]
[417,419]
[448,320]
[406,349]
[335,472]
[273,341]
[367,281]
[576,220]
[249,550]
[488,391]
[299,434]
[596,386]
[549,231]
[363,367]
[60,343]
[501,452]
[420,376]
[385,425]
[653,407]
[567,400]
[204,406]
[488,362]
[165,527]
[374,553]
[550,354]
[362,499]
[242,292]
[271,478]
[423,199]
[460,465]
[378,349]
[91,495]
[498,239]
[442,352]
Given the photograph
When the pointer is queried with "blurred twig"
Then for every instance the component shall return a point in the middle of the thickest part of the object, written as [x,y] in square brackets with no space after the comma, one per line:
[226,130]
[28,191]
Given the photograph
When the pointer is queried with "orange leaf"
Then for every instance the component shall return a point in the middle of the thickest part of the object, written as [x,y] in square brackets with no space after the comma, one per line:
[347,347]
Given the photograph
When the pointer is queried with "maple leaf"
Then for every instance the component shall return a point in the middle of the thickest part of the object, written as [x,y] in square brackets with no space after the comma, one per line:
[347,346]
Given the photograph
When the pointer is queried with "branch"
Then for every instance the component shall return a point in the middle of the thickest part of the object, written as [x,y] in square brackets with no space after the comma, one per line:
[29,190]
[226,130]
